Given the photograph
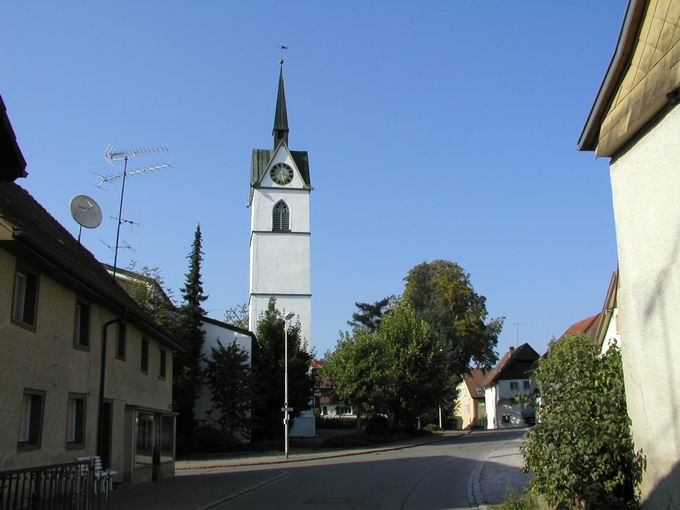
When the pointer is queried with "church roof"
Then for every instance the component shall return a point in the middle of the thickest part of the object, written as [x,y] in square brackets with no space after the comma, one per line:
[281,114]
[262,158]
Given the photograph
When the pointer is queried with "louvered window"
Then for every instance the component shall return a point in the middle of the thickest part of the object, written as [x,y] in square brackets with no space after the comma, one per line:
[281,219]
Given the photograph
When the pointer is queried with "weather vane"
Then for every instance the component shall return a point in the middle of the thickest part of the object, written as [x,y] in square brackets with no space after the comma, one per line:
[283,47]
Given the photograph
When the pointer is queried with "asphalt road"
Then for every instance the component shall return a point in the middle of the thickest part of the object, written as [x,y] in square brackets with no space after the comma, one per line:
[428,477]
[433,476]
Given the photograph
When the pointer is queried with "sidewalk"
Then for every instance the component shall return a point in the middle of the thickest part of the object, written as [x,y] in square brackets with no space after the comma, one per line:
[499,474]
[264,458]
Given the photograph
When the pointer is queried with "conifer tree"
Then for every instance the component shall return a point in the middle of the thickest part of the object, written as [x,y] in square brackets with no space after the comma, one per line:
[187,365]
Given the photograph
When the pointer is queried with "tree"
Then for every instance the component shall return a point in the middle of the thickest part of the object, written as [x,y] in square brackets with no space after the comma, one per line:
[360,370]
[420,379]
[400,369]
[187,364]
[268,373]
[227,374]
[149,291]
[237,316]
[369,315]
[442,295]
[581,452]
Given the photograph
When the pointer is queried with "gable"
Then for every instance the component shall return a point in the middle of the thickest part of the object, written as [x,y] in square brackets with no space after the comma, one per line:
[642,77]
[263,158]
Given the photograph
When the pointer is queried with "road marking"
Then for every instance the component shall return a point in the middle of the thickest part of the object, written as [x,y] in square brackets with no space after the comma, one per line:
[252,488]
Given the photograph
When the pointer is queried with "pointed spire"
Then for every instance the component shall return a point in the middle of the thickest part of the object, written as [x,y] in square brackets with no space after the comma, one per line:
[280,130]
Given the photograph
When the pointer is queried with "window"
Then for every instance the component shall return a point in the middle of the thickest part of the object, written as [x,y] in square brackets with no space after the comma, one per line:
[81,329]
[145,356]
[526,385]
[506,418]
[281,218]
[24,304]
[144,443]
[161,373]
[514,386]
[167,437]
[75,424]
[30,426]
[324,411]
[120,341]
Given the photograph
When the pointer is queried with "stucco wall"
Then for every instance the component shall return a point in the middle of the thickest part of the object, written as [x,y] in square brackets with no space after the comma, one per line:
[646,196]
[46,360]
[280,262]
[499,401]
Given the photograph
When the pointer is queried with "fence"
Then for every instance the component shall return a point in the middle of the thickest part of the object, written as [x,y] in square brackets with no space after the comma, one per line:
[75,485]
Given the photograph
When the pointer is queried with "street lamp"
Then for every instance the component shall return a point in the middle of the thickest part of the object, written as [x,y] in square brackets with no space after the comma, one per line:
[286,409]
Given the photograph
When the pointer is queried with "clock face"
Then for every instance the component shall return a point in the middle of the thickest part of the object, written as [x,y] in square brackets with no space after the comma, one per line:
[281,174]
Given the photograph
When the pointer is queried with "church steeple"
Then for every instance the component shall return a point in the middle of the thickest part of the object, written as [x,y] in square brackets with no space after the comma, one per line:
[280,130]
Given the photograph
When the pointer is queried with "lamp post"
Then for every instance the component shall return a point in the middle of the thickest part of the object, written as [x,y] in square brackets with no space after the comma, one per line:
[285,409]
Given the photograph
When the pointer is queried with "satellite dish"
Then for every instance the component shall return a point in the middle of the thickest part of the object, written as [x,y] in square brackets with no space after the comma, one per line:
[86,211]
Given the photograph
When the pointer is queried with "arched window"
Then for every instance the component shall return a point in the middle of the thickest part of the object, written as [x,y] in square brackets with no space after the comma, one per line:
[281,218]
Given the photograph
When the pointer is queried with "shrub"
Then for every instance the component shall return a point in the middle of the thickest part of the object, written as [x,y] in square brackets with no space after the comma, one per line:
[581,452]
[432,427]
[377,425]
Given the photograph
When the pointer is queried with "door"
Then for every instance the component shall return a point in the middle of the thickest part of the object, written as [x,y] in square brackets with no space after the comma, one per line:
[104,446]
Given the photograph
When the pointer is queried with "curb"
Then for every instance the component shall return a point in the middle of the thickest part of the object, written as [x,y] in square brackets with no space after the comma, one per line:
[320,457]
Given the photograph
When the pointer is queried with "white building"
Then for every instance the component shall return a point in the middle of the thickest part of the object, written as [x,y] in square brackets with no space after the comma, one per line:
[218,332]
[280,263]
[505,386]
[635,121]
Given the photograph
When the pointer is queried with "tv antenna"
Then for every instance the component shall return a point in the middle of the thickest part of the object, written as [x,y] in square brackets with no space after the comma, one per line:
[517,325]
[112,155]
[86,212]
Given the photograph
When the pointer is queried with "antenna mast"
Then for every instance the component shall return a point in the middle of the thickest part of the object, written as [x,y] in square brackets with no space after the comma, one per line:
[112,155]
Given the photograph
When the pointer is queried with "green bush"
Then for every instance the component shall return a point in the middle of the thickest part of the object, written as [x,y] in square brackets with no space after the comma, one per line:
[581,452]
[432,427]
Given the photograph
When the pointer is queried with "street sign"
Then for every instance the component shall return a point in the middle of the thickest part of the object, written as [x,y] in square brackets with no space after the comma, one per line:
[287,409]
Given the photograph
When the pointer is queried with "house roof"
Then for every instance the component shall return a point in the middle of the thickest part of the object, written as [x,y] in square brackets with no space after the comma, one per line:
[228,326]
[12,162]
[474,380]
[513,365]
[587,326]
[610,303]
[124,276]
[615,72]
[41,241]
[262,157]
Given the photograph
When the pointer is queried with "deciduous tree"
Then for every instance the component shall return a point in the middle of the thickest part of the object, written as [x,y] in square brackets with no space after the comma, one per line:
[441,293]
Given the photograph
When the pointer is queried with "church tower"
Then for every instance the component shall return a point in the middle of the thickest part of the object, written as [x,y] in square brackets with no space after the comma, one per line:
[280,263]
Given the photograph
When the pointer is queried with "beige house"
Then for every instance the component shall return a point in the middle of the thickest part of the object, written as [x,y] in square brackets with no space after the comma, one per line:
[635,121]
[83,371]
[470,406]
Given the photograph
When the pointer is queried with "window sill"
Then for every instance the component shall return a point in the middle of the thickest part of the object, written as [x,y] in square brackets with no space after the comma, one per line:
[25,447]
[120,359]
[81,347]
[23,325]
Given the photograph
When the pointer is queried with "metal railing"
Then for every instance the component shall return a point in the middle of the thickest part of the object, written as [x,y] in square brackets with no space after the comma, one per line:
[75,485]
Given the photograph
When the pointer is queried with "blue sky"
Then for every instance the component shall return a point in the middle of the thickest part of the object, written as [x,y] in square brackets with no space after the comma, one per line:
[440,129]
